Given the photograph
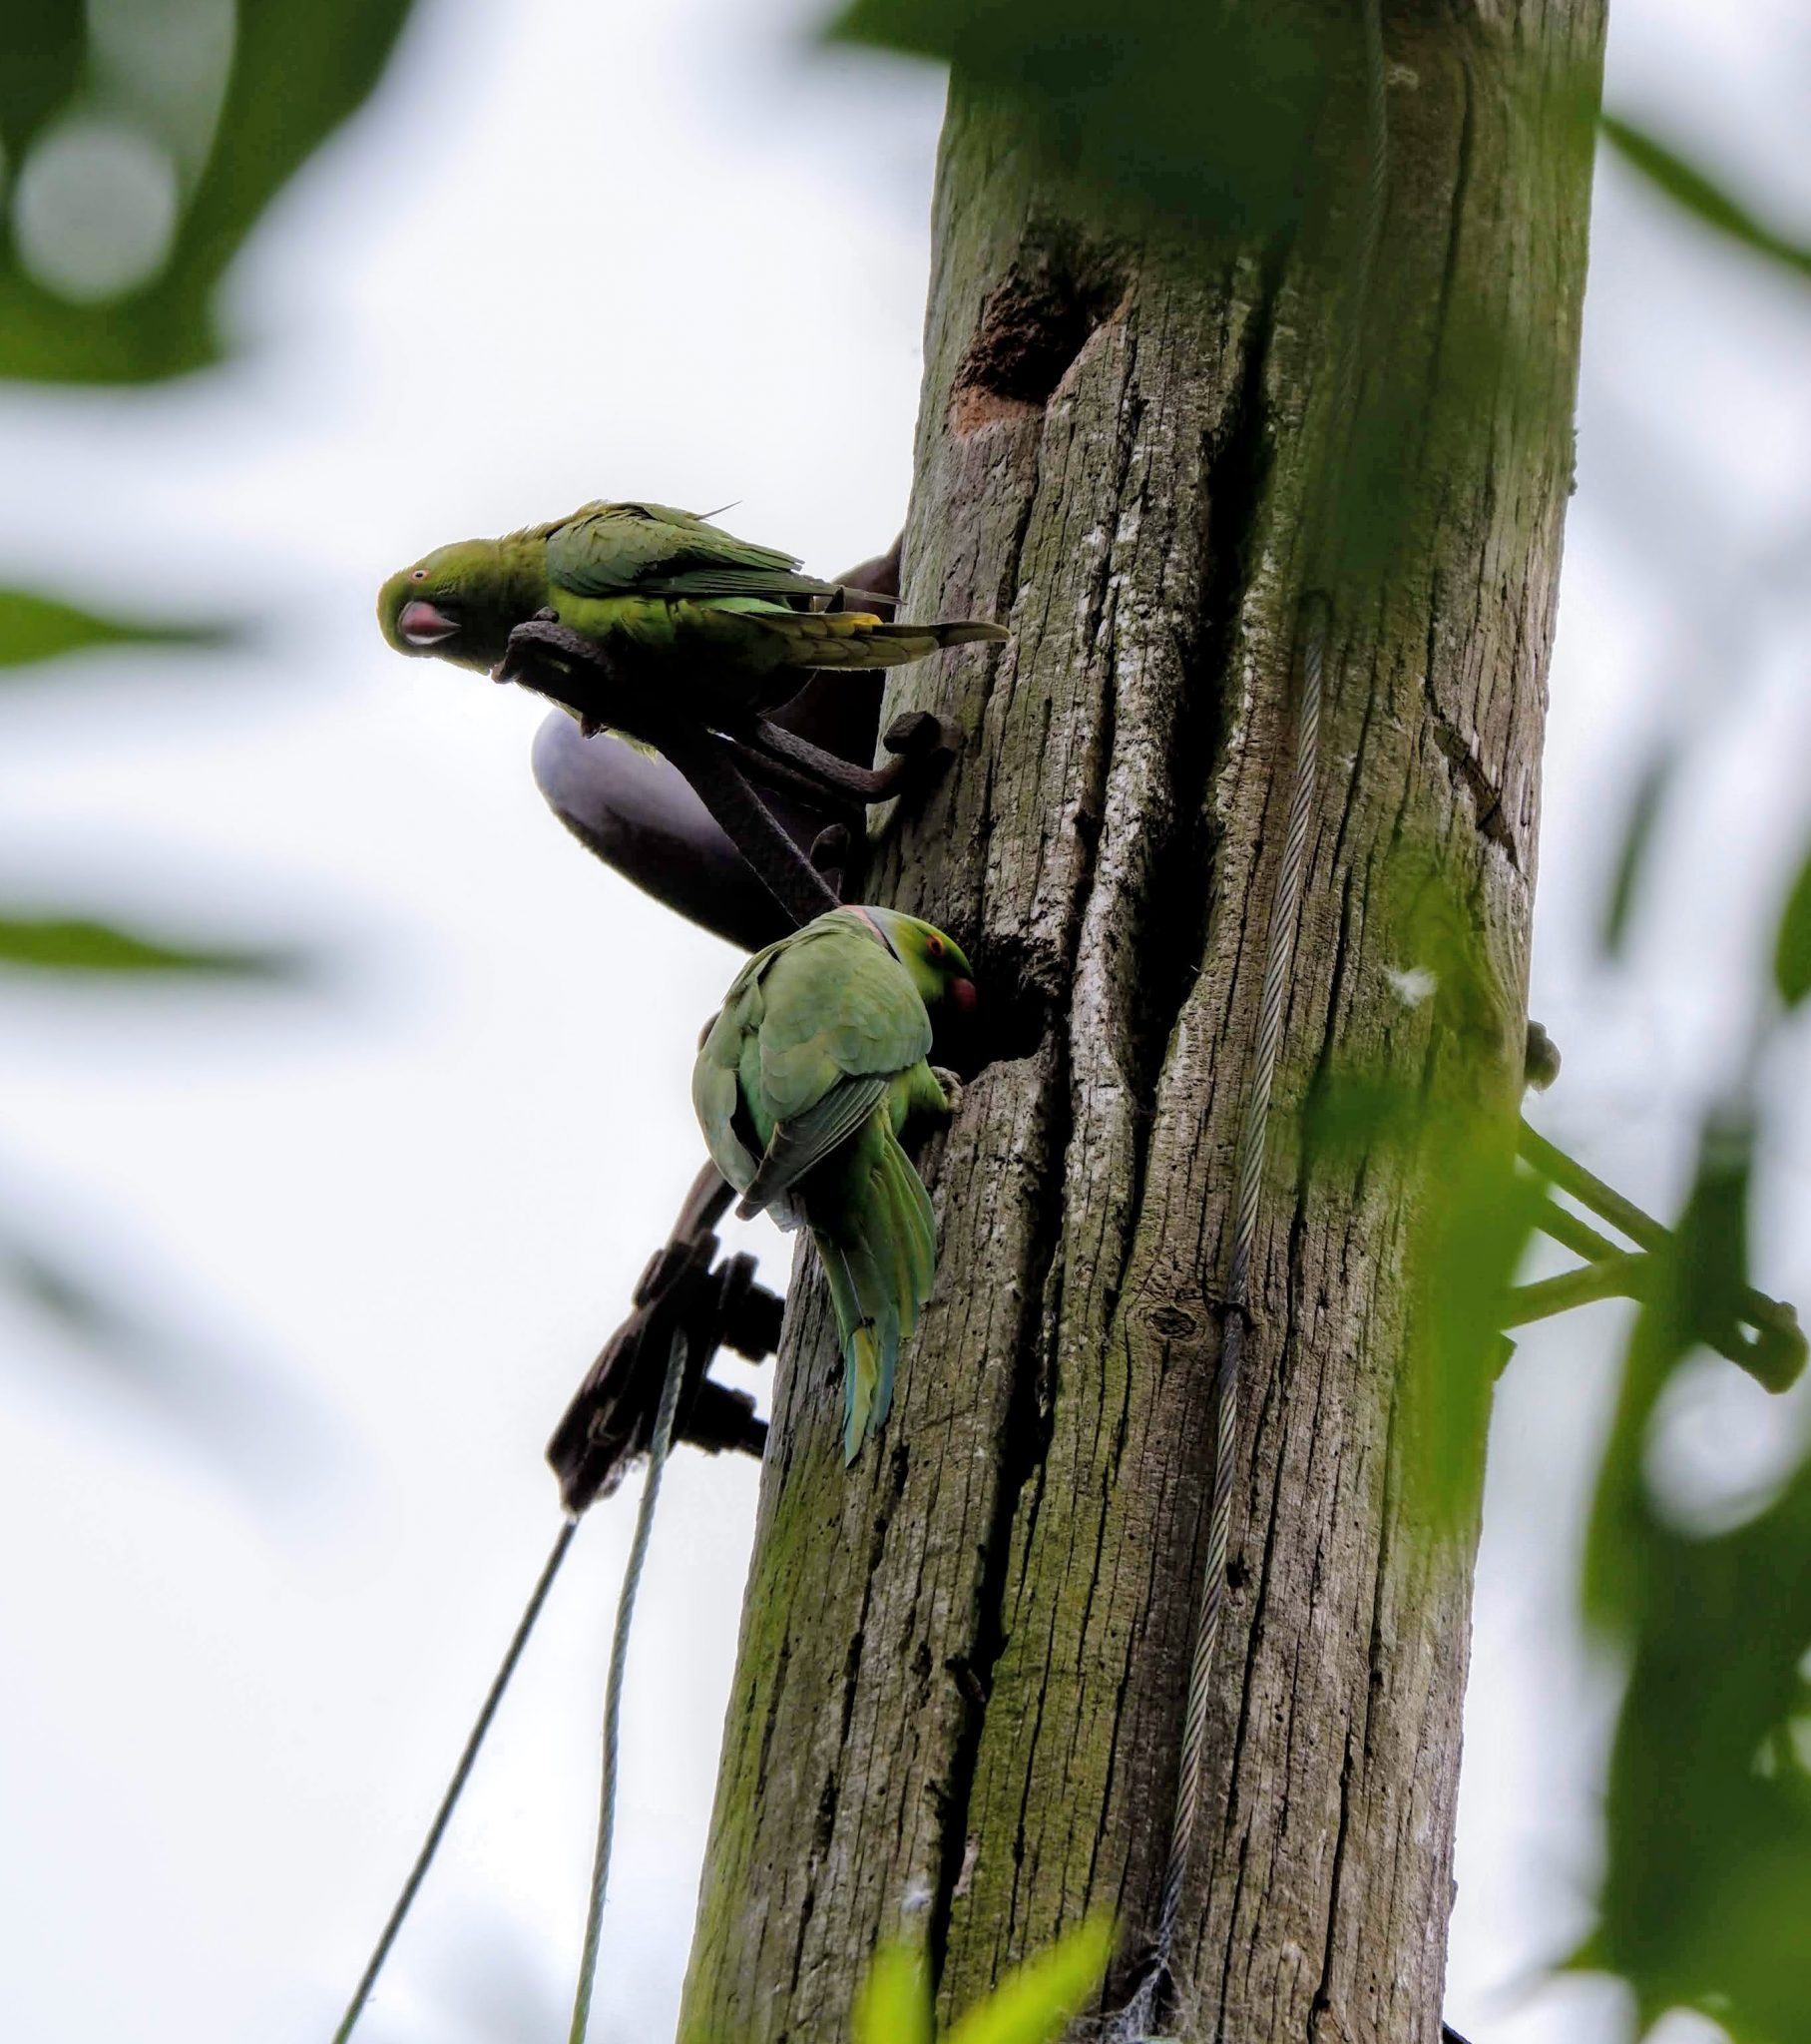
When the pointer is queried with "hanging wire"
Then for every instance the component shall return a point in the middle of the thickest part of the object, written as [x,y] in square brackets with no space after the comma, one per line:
[1135,2020]
[456,1787]
[613,1693]
[1133,2024]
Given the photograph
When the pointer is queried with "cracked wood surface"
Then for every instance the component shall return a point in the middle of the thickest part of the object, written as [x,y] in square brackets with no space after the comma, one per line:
[958,1685]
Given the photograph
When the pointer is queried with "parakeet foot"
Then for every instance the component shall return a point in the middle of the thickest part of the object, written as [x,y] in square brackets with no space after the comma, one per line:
[952,1086]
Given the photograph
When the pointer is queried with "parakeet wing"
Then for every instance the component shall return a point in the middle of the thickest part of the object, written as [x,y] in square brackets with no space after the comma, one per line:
[838,1005]
[840,1019]
[652,550]
[803,1140]
[715,1086]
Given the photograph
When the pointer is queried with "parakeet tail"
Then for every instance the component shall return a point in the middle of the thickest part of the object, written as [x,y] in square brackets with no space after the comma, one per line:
[855,639]
[880,1258]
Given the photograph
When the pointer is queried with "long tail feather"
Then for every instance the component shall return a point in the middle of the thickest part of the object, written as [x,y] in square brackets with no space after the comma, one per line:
[880,1258]
[855,639]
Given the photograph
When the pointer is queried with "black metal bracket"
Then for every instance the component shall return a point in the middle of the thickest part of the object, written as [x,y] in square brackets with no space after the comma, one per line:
[722,746]
[684,1289]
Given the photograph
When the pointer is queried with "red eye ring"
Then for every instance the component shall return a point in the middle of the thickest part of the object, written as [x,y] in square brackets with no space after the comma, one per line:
[933,947]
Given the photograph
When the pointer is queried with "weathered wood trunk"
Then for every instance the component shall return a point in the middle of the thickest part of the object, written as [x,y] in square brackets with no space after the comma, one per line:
[962,1663]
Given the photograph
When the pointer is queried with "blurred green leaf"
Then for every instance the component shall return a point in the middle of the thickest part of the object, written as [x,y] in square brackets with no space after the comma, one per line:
[1696,1287]
[41,53]
[1470,1226]
[894,2006]
[34,628]
[1035,2003]
[73,944]
[296,73]
[1436,1124]
[256,1426]
[1687,185]
[1707,1883]
[1644,813]
[1201,115]
[62,1294]
[1792,947]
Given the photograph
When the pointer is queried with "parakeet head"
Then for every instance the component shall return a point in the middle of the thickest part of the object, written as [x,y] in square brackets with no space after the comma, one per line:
[939,970]
[461,602]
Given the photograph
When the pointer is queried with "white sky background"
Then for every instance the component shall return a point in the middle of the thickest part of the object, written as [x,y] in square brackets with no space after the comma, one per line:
[571,251]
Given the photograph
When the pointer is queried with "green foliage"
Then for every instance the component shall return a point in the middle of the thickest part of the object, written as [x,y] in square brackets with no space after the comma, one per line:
[34,628]
[1438,1117]
[1472,1218]
[1201,116]
[73,944]
[1792,948]
[1698,1277]
[1699,194]
[141,142]
[220,104]
[1645,812]
[1034,2004]
[61,1293]
[894,2006]
[1707,1887]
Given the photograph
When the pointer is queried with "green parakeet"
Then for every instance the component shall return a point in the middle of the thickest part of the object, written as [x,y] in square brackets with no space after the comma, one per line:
[805,1082]
[655,588]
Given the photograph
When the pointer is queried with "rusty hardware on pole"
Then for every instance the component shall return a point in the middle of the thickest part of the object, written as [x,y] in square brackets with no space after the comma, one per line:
[684,1289]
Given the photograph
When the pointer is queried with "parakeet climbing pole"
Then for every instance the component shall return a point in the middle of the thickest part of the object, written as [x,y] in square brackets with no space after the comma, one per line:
[963,1662]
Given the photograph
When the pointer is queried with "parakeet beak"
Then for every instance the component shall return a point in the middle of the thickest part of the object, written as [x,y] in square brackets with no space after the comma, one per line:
[420,624]
[962,996]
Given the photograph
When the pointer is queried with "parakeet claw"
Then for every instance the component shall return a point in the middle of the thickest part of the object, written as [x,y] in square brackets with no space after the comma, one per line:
[952,1086]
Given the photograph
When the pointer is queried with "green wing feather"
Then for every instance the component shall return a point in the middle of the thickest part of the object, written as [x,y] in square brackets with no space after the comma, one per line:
[664,578]
[852,639]
[653,550]
[806,1139]
[800,1086]
[876,1239]
[838,1006]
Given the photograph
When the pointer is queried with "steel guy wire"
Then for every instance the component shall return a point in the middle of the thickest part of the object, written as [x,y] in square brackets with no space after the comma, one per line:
[456,1787]
[613,1693]
[1279,953]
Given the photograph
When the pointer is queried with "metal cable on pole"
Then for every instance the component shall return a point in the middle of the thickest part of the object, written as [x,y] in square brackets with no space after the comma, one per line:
[456,1787]
[613,1694]
[1133,2024]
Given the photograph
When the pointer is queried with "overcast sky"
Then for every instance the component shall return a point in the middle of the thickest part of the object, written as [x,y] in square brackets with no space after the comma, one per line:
[384,1222]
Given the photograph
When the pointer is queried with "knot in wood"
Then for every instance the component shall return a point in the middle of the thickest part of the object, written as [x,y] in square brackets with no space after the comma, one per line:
[1174,1322]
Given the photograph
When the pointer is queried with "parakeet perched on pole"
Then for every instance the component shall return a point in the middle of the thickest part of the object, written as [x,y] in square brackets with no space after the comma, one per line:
[805,1082]
[661,591]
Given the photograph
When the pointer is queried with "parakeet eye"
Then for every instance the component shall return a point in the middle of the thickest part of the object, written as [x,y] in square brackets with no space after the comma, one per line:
[933,947]
[420,575]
